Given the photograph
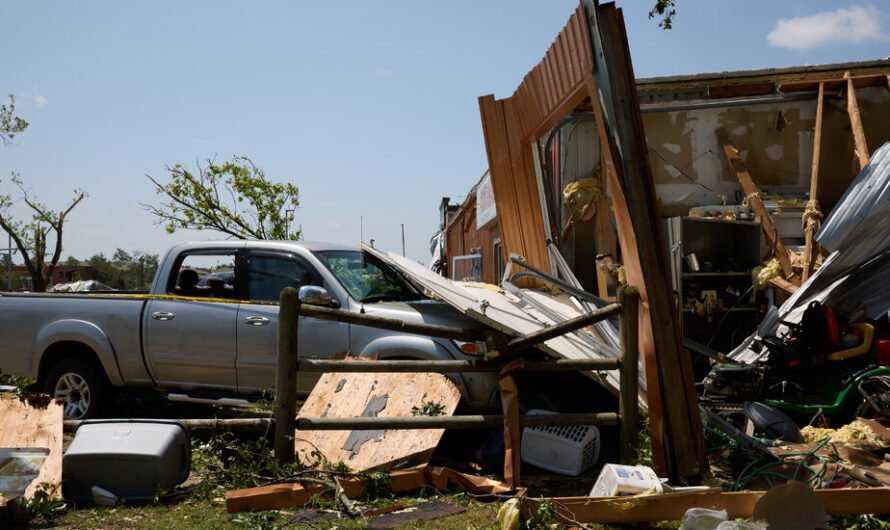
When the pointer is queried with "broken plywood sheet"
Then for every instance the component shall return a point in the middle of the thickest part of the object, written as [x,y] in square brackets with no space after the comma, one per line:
[383,395]
[31,424]
[510,314]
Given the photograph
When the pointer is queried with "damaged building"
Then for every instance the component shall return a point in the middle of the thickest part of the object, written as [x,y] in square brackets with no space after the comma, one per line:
[714,237]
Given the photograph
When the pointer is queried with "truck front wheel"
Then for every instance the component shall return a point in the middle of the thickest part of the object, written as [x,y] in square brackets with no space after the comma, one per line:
[78,385]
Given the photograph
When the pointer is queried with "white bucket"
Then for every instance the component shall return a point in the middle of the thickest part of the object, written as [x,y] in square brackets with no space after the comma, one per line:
[616,479]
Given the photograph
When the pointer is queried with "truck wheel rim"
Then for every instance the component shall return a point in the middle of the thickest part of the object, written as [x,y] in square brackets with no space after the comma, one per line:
[74,391]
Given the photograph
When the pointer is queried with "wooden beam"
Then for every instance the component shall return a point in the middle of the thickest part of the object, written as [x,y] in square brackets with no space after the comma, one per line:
[784,285]
[214,426]
[677,425]
[832,84]
[629,401]
[285,407]
[750,189]
[475,421]
[672,506]
[392,324]
[443,367]
[812,223]
[856,123]
[556,330]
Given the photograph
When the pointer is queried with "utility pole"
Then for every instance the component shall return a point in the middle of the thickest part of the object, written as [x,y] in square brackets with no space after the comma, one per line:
[403,239]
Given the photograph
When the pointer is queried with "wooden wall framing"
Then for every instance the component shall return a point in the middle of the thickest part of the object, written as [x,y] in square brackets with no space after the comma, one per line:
[564,79]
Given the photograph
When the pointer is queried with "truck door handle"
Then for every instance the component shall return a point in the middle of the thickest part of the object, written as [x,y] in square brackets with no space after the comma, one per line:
[162,315]
[256,321]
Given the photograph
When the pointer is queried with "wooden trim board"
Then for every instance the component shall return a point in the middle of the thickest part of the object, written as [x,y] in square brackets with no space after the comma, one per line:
[672,506]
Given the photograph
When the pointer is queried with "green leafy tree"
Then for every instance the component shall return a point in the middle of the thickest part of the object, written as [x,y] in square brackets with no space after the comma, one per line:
[666,10]
[10,124]
[31,237]
[233,197]
[129,271]
[106,272]
[137,269]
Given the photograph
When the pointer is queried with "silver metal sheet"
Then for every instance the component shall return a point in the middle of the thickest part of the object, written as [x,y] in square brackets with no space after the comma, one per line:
[856,275]
[513,313]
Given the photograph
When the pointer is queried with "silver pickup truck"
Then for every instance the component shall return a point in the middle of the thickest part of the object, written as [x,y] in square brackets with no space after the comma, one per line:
[207,330]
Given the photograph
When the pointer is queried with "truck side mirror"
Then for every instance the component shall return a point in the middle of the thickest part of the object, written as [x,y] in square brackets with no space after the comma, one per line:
[315,295]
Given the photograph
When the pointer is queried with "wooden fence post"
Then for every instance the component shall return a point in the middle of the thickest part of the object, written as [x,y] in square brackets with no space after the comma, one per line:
[285,409]
[628,402]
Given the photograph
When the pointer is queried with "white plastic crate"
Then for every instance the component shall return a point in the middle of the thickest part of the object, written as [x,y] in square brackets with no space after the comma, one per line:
[567,450]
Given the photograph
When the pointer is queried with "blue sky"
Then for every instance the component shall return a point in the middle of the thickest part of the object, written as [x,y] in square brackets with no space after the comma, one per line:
[369,107]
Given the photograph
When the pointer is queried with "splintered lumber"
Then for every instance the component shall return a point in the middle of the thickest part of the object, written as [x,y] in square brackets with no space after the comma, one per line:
[677,440]
[212,426]
[750,189]
[856,123]
[392,324]
[351,396]
[35,422]
[784,285]
[628,402]
[811,221]
[672,506]
[285,407]
[834,84]
[278,496]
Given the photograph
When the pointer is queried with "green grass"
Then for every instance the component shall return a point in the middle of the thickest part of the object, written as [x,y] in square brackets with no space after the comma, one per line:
[209,514]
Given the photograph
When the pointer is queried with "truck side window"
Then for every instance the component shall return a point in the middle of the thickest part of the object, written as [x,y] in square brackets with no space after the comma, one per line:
[206,275]
[269,275]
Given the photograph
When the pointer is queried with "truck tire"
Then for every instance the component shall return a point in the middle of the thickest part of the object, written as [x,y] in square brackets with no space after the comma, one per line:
[79,386]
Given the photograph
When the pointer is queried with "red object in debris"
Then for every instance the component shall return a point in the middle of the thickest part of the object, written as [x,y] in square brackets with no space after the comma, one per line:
[831,326]
[883,351]
[838,483]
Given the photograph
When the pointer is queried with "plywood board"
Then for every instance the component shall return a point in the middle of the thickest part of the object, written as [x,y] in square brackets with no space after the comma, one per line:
[37,423]
[382,395]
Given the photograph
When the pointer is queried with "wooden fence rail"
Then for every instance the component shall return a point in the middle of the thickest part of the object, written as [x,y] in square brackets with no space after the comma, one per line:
[289,365]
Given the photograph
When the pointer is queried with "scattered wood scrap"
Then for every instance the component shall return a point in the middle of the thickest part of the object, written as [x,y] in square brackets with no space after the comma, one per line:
[35,422]
[382,395]
[278,496]
[672,506]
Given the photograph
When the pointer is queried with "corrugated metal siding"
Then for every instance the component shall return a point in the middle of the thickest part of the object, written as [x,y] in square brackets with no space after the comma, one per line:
[548,92]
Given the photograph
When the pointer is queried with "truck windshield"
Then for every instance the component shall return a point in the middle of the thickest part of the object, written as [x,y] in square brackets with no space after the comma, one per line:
[367,278]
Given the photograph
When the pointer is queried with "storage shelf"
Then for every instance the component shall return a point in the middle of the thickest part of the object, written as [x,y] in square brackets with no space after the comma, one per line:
[714,274]
[720,221]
